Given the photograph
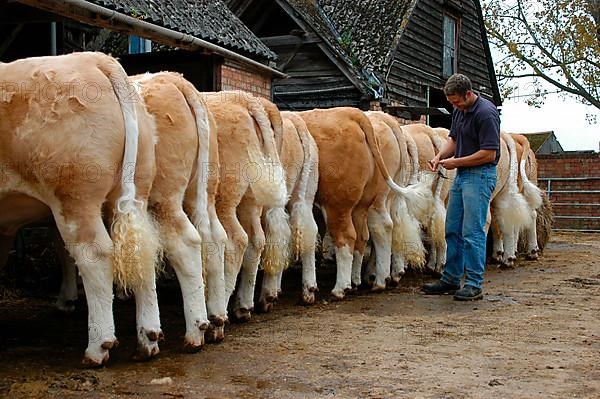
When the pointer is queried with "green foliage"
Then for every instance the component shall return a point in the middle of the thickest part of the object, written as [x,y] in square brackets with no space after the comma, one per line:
[557,41]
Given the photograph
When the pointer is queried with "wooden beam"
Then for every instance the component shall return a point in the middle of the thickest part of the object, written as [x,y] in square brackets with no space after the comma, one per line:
[290,40]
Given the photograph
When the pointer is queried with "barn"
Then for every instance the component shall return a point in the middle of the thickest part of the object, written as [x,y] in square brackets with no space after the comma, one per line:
[393,54]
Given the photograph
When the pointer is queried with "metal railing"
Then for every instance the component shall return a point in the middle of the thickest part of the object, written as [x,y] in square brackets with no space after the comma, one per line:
[549,192]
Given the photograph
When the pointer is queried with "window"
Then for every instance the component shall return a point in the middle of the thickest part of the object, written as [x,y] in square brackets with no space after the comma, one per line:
[450,49]
[139,45]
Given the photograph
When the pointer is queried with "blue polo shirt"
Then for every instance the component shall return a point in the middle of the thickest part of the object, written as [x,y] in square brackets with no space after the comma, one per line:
[476,129]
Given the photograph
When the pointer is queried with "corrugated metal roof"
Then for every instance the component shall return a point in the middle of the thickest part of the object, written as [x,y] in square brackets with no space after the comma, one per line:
[209,20]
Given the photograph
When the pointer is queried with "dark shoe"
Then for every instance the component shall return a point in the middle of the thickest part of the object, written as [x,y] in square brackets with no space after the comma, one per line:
[439,288]
[468,293]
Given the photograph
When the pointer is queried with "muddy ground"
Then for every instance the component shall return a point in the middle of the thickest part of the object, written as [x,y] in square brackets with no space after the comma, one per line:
[535,335]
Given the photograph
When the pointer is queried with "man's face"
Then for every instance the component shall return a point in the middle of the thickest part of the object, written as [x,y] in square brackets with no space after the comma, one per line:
[461,102]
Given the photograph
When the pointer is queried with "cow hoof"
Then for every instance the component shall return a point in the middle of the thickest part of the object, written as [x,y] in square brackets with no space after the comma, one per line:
[533,255]
[218,321]
[242,315]
[337,295]
[93,362]
[214,334]
[147,346]
[352,290]
[308,298]
[265,306]
[377,288]
[193,344]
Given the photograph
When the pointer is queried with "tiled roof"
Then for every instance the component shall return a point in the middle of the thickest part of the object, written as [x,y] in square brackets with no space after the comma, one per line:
[209,20]
[364,33]
[536,140]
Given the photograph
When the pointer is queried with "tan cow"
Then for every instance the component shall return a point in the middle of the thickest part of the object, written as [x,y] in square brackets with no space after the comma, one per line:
[76,142]
[429,143]
[394,230]
[349,157]
[251,177]
[300,159]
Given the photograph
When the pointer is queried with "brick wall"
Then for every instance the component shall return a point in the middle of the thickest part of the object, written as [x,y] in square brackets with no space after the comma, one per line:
[234,76]
[572,165]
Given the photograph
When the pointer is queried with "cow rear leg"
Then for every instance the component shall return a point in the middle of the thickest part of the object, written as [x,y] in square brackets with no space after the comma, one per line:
[531,234]
[88,242]
[341,228]
[183,247]
[67,296]
[214,258]
[380,226]
[250,218]
[360,222]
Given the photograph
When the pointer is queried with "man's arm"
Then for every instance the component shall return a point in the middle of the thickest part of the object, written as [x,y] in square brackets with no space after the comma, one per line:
[478,158]
[447,151]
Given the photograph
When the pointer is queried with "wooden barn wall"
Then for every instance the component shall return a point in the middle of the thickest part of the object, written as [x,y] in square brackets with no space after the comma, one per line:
[314,82]
[418,59]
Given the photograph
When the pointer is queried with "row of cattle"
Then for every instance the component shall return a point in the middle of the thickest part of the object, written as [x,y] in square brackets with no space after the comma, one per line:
[222,184]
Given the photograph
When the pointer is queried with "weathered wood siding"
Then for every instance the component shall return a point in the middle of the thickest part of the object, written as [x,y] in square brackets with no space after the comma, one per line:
[314,80]
[418,59]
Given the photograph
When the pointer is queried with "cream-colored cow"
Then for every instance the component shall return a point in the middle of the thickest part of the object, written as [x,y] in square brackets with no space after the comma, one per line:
[77,143]
[394,230]
[251,177]
[509,209]
[429,143]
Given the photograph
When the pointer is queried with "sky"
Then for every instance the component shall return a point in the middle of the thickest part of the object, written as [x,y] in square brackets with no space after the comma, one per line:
[566,117]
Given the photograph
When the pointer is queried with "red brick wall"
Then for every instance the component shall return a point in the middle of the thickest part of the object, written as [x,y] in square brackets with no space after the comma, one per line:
[572,165]
[234,76]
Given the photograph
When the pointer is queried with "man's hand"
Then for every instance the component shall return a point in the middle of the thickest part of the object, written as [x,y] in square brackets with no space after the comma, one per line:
[434,163]
[450,163]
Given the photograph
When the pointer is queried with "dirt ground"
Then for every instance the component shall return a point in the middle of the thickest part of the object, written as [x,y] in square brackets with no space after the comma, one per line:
[536,334]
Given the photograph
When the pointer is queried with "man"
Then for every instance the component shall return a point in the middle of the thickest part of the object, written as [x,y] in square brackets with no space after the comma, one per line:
[473,148]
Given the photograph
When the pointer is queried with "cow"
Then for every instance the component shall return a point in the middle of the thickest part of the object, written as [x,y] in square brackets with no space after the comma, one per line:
[300,159]
[508,208]
[75,143]
[349,157]
[251,177]
[527,181]
[182,201]
[429,143]
[393,229]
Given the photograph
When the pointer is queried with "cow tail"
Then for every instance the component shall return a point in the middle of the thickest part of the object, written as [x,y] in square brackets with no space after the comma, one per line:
[136,244]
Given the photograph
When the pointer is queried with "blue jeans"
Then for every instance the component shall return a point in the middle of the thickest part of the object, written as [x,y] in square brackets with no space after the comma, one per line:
[465,224]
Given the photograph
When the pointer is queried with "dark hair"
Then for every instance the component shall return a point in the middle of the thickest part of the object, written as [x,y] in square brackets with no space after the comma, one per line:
[457,84]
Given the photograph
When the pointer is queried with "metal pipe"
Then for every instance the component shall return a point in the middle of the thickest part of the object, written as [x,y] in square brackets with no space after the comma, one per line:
[62,7]
[53,50]
[570,178]
[578,230]
[575,191]
[573,204]
[576,217]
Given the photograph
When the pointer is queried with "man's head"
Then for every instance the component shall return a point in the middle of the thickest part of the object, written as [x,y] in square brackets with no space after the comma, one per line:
[459,91]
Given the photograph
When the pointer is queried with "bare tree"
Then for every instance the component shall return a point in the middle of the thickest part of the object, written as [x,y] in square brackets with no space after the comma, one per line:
[554,40]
